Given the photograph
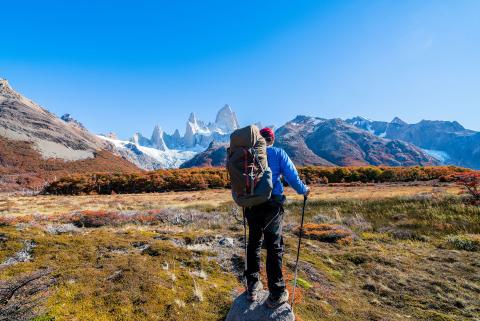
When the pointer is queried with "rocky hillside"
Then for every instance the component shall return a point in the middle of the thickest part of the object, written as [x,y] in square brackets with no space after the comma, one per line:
[340,143]
[448,141]
[22,119]
[36,145]
[214,156]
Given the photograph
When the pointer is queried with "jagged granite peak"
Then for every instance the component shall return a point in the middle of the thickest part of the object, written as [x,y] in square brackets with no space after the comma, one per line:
[192,118]
[227,119]
[157,139]
[176,134]
[173,141]
[190,131]
[197,133]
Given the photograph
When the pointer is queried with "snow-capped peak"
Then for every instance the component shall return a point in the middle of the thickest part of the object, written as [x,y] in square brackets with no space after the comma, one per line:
[226,119]
[157,139]
[198,135]
[192,119]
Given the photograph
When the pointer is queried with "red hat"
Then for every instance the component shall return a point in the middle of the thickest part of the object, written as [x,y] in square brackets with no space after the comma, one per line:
[267,133]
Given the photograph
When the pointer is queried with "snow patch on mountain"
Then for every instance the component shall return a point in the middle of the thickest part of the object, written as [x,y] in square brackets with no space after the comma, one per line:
[438,154]
[152,158]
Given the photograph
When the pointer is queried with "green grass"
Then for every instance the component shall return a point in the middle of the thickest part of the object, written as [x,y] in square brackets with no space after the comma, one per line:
[427,215]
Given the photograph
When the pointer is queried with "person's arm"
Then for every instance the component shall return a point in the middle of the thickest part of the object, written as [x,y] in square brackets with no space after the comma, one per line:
[290,174]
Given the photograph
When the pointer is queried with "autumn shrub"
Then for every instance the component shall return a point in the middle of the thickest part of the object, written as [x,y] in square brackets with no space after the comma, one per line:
[378,174]
[329,233]
[471,183]
[95,218]
[195,179]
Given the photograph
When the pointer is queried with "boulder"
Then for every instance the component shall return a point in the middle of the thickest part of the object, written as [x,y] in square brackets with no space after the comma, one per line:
[244,310]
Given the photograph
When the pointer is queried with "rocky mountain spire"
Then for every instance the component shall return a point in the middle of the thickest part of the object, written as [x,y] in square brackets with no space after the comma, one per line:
[226,119]
[157,138]
[190,130]
[176,135]
[192,118]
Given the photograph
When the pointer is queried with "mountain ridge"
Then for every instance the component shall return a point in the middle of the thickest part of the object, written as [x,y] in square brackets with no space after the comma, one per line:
[459,146]
[36,146]
[308,140]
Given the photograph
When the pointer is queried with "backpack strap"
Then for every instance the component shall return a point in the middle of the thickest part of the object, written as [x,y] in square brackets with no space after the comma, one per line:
[245,169]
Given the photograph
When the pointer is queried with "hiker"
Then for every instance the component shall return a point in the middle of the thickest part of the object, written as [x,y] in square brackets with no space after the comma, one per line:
[267,219]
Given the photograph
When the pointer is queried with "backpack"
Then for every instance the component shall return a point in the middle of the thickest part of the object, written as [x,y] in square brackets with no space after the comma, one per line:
[247,166]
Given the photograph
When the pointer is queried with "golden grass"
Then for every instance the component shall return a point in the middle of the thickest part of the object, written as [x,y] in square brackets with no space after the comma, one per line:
[52,205]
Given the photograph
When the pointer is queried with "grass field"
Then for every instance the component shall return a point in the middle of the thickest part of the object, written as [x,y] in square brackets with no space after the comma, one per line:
[375,252]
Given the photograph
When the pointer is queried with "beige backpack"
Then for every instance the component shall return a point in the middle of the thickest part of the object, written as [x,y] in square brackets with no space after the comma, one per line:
[247,165]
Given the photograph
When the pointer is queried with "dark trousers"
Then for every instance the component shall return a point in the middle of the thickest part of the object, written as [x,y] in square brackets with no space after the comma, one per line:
[266,220]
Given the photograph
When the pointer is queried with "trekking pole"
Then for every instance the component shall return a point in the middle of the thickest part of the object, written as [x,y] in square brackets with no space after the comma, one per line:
[298,251]
[245,245]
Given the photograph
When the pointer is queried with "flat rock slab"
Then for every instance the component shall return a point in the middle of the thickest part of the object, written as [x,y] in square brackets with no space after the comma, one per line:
[244,310]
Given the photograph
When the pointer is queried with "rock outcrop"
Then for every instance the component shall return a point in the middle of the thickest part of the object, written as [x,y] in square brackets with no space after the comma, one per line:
[243,310]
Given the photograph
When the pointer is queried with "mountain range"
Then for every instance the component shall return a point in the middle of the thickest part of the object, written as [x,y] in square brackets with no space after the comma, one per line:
[38,146]
[448,141]
[334,142]
[163,150]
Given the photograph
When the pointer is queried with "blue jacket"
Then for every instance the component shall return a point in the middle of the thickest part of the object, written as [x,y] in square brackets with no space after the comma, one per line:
[281,165]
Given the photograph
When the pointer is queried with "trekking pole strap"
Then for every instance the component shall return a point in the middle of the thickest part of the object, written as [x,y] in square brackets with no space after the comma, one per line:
[298,251]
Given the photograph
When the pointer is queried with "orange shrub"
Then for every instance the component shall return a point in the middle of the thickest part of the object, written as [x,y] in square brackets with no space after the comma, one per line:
[329,233]
[217,177]
[471,183]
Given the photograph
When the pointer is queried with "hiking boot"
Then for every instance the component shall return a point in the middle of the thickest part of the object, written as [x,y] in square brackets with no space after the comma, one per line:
[253,289]
[274,301]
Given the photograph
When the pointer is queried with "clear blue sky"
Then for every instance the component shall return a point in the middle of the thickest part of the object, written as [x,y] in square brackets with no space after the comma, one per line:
[126,65]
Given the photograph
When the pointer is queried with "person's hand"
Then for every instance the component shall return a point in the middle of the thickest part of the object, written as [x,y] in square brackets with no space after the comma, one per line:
[307,192]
